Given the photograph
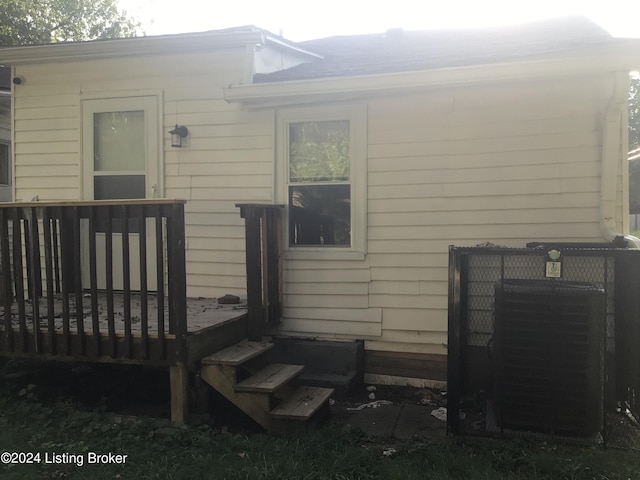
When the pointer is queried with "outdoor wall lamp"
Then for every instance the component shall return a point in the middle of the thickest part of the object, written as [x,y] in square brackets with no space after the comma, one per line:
[177,134]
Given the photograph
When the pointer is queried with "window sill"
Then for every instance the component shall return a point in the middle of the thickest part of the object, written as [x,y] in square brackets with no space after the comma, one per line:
[322,254]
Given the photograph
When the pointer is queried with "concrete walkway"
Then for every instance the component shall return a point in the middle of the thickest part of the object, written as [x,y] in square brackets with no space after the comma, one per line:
[403,415]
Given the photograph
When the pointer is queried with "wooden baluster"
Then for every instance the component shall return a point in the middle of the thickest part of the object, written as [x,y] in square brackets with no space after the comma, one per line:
[27,252]
[49,278]
[160,279]
[34,274]
[77,275]
[108,239]
[7,290]
[93,282]
[56,254]
[144,312]
[66,264]
[18,273]
[126,281]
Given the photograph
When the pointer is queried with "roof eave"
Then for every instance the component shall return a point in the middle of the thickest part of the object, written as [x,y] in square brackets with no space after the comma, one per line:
[287,45]
[133,46]
[618,55]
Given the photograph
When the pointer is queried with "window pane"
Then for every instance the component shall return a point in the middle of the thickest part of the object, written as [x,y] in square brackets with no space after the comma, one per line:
[320,215]
[319,151]
[118,187]
[4,164]
[119,141]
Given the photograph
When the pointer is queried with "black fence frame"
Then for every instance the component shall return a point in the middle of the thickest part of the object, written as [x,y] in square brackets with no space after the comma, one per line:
[622,359]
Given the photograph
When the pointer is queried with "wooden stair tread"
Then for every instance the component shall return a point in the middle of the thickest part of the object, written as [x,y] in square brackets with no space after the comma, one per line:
[237,354]
[270,378]
[302,404]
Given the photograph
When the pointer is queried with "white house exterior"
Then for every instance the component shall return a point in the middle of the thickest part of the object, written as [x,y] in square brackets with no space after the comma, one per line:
[507,142]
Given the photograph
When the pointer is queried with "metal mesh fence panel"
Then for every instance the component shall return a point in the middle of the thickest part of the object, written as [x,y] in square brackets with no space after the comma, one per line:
[532,343]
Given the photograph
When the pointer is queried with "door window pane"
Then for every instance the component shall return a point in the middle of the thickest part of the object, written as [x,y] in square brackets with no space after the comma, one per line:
[119,141]
[118,186]
[320,215]
[319,151]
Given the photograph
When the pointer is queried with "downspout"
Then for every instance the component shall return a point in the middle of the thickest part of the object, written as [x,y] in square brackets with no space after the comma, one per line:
[612,151]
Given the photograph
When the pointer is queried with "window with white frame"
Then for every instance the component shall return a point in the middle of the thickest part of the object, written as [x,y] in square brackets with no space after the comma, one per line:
[323,169]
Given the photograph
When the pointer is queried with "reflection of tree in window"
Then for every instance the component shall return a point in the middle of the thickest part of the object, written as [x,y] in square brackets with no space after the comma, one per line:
[119,160]
[319,183]
[119,141]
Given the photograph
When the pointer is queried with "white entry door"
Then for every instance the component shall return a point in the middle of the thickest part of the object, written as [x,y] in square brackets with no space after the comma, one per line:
[120,150]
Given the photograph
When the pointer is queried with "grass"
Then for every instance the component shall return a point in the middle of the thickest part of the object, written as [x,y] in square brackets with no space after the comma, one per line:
[32,424]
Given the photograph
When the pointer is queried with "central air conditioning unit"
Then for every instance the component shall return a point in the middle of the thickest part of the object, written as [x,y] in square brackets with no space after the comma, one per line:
[549,354]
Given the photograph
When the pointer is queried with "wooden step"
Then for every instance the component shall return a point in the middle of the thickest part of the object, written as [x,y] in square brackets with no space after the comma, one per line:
[237,354]
[270,379]
[302,404]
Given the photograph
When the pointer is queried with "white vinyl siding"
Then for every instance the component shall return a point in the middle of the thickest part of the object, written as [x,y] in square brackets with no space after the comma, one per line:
[224,144]
[505,164]
[464,165]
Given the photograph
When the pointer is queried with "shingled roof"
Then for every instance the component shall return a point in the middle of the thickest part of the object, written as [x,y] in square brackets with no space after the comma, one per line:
[399,51]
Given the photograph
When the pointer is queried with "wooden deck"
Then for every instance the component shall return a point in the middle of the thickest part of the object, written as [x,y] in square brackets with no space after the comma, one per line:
[76,283]
[202,313]
[206,320]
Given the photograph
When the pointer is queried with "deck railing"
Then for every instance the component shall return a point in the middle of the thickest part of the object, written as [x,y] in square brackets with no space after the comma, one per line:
[54,257]
[263,236]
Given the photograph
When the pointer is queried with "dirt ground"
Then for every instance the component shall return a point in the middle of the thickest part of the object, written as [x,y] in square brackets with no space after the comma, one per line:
[393,417]
[400,413]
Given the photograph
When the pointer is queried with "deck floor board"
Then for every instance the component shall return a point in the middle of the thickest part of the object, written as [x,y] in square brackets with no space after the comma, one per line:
[202,313]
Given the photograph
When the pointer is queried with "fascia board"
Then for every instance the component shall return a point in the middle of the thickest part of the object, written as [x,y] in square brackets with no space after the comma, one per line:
[135,46]
[619,56]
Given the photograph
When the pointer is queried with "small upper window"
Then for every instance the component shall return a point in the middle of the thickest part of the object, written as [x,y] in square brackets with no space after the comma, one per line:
[5,177]
[319,183]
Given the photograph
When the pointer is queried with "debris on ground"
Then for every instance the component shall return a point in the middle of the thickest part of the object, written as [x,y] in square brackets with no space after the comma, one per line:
[372,396]
[228,299]
[441,414]
[376,404]
[426,396]
[371,388]
[387,452]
